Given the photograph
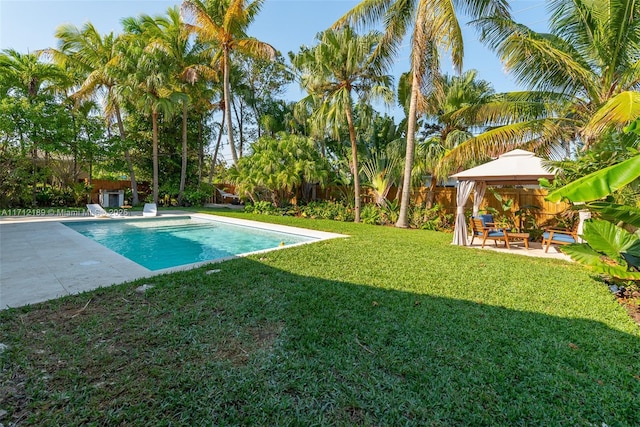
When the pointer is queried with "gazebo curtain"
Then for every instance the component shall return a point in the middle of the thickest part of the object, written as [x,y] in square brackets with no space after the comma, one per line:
[478,196]
[460,229]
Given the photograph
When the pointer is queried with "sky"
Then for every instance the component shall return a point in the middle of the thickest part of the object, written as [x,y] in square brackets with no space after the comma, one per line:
[29,25]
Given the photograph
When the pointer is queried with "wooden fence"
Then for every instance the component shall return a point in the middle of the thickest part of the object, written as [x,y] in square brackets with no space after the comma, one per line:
[444,196]
[522,197]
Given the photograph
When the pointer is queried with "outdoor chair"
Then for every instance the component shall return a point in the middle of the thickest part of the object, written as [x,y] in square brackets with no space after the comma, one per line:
[559,237]
[150,209]
[487,232]
[97,211]
[487,221]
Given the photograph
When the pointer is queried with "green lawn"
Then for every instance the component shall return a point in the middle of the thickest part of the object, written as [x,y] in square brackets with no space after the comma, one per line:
[386,327]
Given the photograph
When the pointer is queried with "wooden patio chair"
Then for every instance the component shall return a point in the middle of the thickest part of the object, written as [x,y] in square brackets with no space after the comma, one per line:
[485,231]
[559,236]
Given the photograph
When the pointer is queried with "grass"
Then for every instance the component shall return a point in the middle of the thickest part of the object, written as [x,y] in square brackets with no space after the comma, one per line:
[386,327]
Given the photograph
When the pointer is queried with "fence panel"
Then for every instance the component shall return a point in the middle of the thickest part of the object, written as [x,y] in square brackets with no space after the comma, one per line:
[521,197]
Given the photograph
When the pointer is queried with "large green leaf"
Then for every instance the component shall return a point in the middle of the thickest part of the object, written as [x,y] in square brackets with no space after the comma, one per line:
[633,261]
[608,238]
[585,255]
[633,249]
[616,213]
[599,184]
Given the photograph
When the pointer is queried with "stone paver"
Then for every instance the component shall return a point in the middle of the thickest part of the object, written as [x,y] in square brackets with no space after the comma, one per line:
[43,260]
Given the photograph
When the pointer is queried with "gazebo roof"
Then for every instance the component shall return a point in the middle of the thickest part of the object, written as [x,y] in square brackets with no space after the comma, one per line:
[517,167]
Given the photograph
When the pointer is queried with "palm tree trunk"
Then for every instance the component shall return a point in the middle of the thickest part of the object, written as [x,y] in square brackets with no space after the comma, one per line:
[240,122]
[408,161]
[183,169]
[215,152]
[127,156]
[200,150]
[227,107]
[432,192]
[354,160]
[154,124]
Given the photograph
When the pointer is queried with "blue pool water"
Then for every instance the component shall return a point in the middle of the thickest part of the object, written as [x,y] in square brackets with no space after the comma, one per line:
[170,242]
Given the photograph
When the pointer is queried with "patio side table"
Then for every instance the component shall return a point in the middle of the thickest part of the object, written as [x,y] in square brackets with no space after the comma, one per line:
[519,236]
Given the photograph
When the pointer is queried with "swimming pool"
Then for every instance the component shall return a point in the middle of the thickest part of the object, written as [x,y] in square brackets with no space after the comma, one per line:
[161,243]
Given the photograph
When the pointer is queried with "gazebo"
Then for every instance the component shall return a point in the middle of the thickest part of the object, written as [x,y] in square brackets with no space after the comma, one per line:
[517,167]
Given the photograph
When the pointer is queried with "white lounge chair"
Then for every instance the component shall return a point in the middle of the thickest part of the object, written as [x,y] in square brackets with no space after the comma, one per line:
[150,209]
[224,195]
[97,211]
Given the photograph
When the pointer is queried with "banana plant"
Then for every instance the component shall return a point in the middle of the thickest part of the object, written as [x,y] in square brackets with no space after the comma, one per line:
[599,184]
[611,250]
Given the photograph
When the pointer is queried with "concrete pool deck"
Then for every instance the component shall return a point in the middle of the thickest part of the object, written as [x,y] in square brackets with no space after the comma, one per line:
[42,259]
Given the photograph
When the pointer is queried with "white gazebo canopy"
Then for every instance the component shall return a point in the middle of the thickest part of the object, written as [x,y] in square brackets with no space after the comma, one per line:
[517,167]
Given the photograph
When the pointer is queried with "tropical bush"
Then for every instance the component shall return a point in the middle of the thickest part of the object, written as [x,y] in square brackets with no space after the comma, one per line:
[262,207]
[327,210]
[279,166]
[612,245]
[435,218]
[196,197]
[371,214]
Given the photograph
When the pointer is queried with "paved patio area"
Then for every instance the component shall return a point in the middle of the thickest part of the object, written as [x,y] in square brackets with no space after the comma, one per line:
[42,260]
[535,249]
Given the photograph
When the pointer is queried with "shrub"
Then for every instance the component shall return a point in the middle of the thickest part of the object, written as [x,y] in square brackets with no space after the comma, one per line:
[194,197]
[391,212]
[44,196]
[327,210]
[262,207]
[371,214]
[435,218]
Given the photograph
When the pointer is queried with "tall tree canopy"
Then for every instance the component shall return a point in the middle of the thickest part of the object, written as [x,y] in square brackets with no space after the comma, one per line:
[223,25]
[434,26]
[589,58]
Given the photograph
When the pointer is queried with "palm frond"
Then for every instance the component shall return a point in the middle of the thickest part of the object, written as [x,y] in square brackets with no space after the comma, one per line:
[532,134]
[539,61]
[256,48]
[619,111]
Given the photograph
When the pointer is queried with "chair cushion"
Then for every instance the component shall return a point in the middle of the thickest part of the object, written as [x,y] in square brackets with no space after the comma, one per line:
[495,234]
[559,237]
[486,218]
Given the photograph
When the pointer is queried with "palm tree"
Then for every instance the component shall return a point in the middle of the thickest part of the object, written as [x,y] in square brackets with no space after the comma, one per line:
[332,72]
[98,58]
[444,129]
[149,86]
[588,62]
[434,25]
[223,25]
[168,36]
[26,76]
